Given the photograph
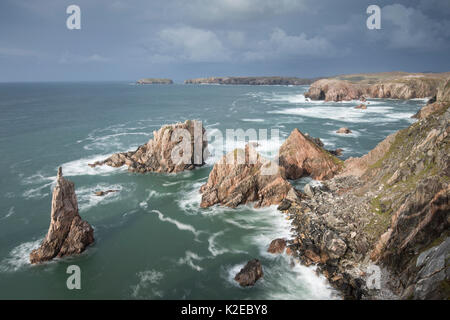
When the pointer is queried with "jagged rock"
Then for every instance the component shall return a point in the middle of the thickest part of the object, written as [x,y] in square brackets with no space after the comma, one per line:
[251,272]
[284,205]
[334,90]
[68,233]
[333,245]
[302,157]
[277,246]
[164,153]
[244,176]
[344,130]
[361,106]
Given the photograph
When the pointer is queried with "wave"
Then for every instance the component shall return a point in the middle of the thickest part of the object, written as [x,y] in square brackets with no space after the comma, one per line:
[147,281]
[178,224]
[11,211]
[253,120]
[212,245]
[80,167]
[87,198]
[19,257]
[189,259]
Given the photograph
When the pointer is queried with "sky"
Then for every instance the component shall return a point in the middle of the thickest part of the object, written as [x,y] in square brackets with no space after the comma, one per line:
[127,40]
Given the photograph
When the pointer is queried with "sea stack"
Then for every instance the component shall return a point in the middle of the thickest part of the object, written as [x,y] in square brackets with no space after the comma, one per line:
[244,176]
[157,155]
[251,273]
[68,234]
[301,156]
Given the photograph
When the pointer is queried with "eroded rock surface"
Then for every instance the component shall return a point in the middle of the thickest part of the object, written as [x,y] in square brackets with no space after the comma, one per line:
[301,156]
[244,176]
[68,234]
[174,148]
[251,272]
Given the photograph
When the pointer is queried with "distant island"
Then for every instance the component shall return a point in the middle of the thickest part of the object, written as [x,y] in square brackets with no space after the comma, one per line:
[252,80]
[154,81]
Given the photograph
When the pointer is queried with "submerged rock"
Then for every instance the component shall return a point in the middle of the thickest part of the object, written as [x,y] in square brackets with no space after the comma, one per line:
[165,152]
[68,233]
[251,272]
[244,176]
[301,157]
[104,193]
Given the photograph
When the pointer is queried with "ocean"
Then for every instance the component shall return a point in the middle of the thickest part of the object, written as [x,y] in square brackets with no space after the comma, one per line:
[152,239]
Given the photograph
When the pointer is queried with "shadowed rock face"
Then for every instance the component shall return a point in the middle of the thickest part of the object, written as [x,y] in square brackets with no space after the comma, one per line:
[300,156]
[277,246]
[251,272]
[244,176]
[68,233]
[157,154]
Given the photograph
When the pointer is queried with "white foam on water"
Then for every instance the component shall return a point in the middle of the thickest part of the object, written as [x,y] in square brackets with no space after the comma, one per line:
[178,224]
[19,257]
[11,211]
[147,281]
[190,200]
[212,245]
[298,282]
[87,198]
[80,167]
[39,192]
[253,120]
[189,259]
[231,271]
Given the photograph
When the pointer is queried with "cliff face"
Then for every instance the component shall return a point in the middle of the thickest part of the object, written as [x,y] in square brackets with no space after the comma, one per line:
[154,81]
[384,85]
[251,81]
[68,234]
[244,176]
[389,207]
[157,155]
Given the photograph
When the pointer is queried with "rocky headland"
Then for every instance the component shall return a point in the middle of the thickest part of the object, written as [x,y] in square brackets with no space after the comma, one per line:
[252,81]
[394,85]
[389,208]
[154,81]
[157,154]
[68,234]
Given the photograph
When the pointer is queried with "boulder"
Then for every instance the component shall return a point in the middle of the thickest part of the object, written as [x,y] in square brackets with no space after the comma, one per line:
[344,130]
[104,193]
[301,157]
[165,152]
[68,233]
[361,106]
[251,272]
[244,176]
[277,246]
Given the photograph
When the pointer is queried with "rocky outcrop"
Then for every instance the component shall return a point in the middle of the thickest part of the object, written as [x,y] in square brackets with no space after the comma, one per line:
[104,193]
[393,85]
[174,148]
[154,81]
[437,103]
[388,207]
[334,90]
[68,233]
[251,272]
[277,246]
[252,81]
[244,176]
[301,156]
[344,130]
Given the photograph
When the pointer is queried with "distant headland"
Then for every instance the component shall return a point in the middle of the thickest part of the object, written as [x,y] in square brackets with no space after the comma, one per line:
[154,81]
[252,80]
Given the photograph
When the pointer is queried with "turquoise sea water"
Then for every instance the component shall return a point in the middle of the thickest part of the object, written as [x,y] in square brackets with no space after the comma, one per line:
[152,239]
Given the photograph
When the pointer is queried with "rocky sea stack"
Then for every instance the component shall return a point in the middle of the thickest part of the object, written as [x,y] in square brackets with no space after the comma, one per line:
[250,273]
[164,153]
[301,156]
[68,233]
[244,176]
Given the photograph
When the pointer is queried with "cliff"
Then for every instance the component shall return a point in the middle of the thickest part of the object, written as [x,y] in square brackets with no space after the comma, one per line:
[154,81]
[251,81]
[389,207]
[164,153]
[394,85]
[68,234]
